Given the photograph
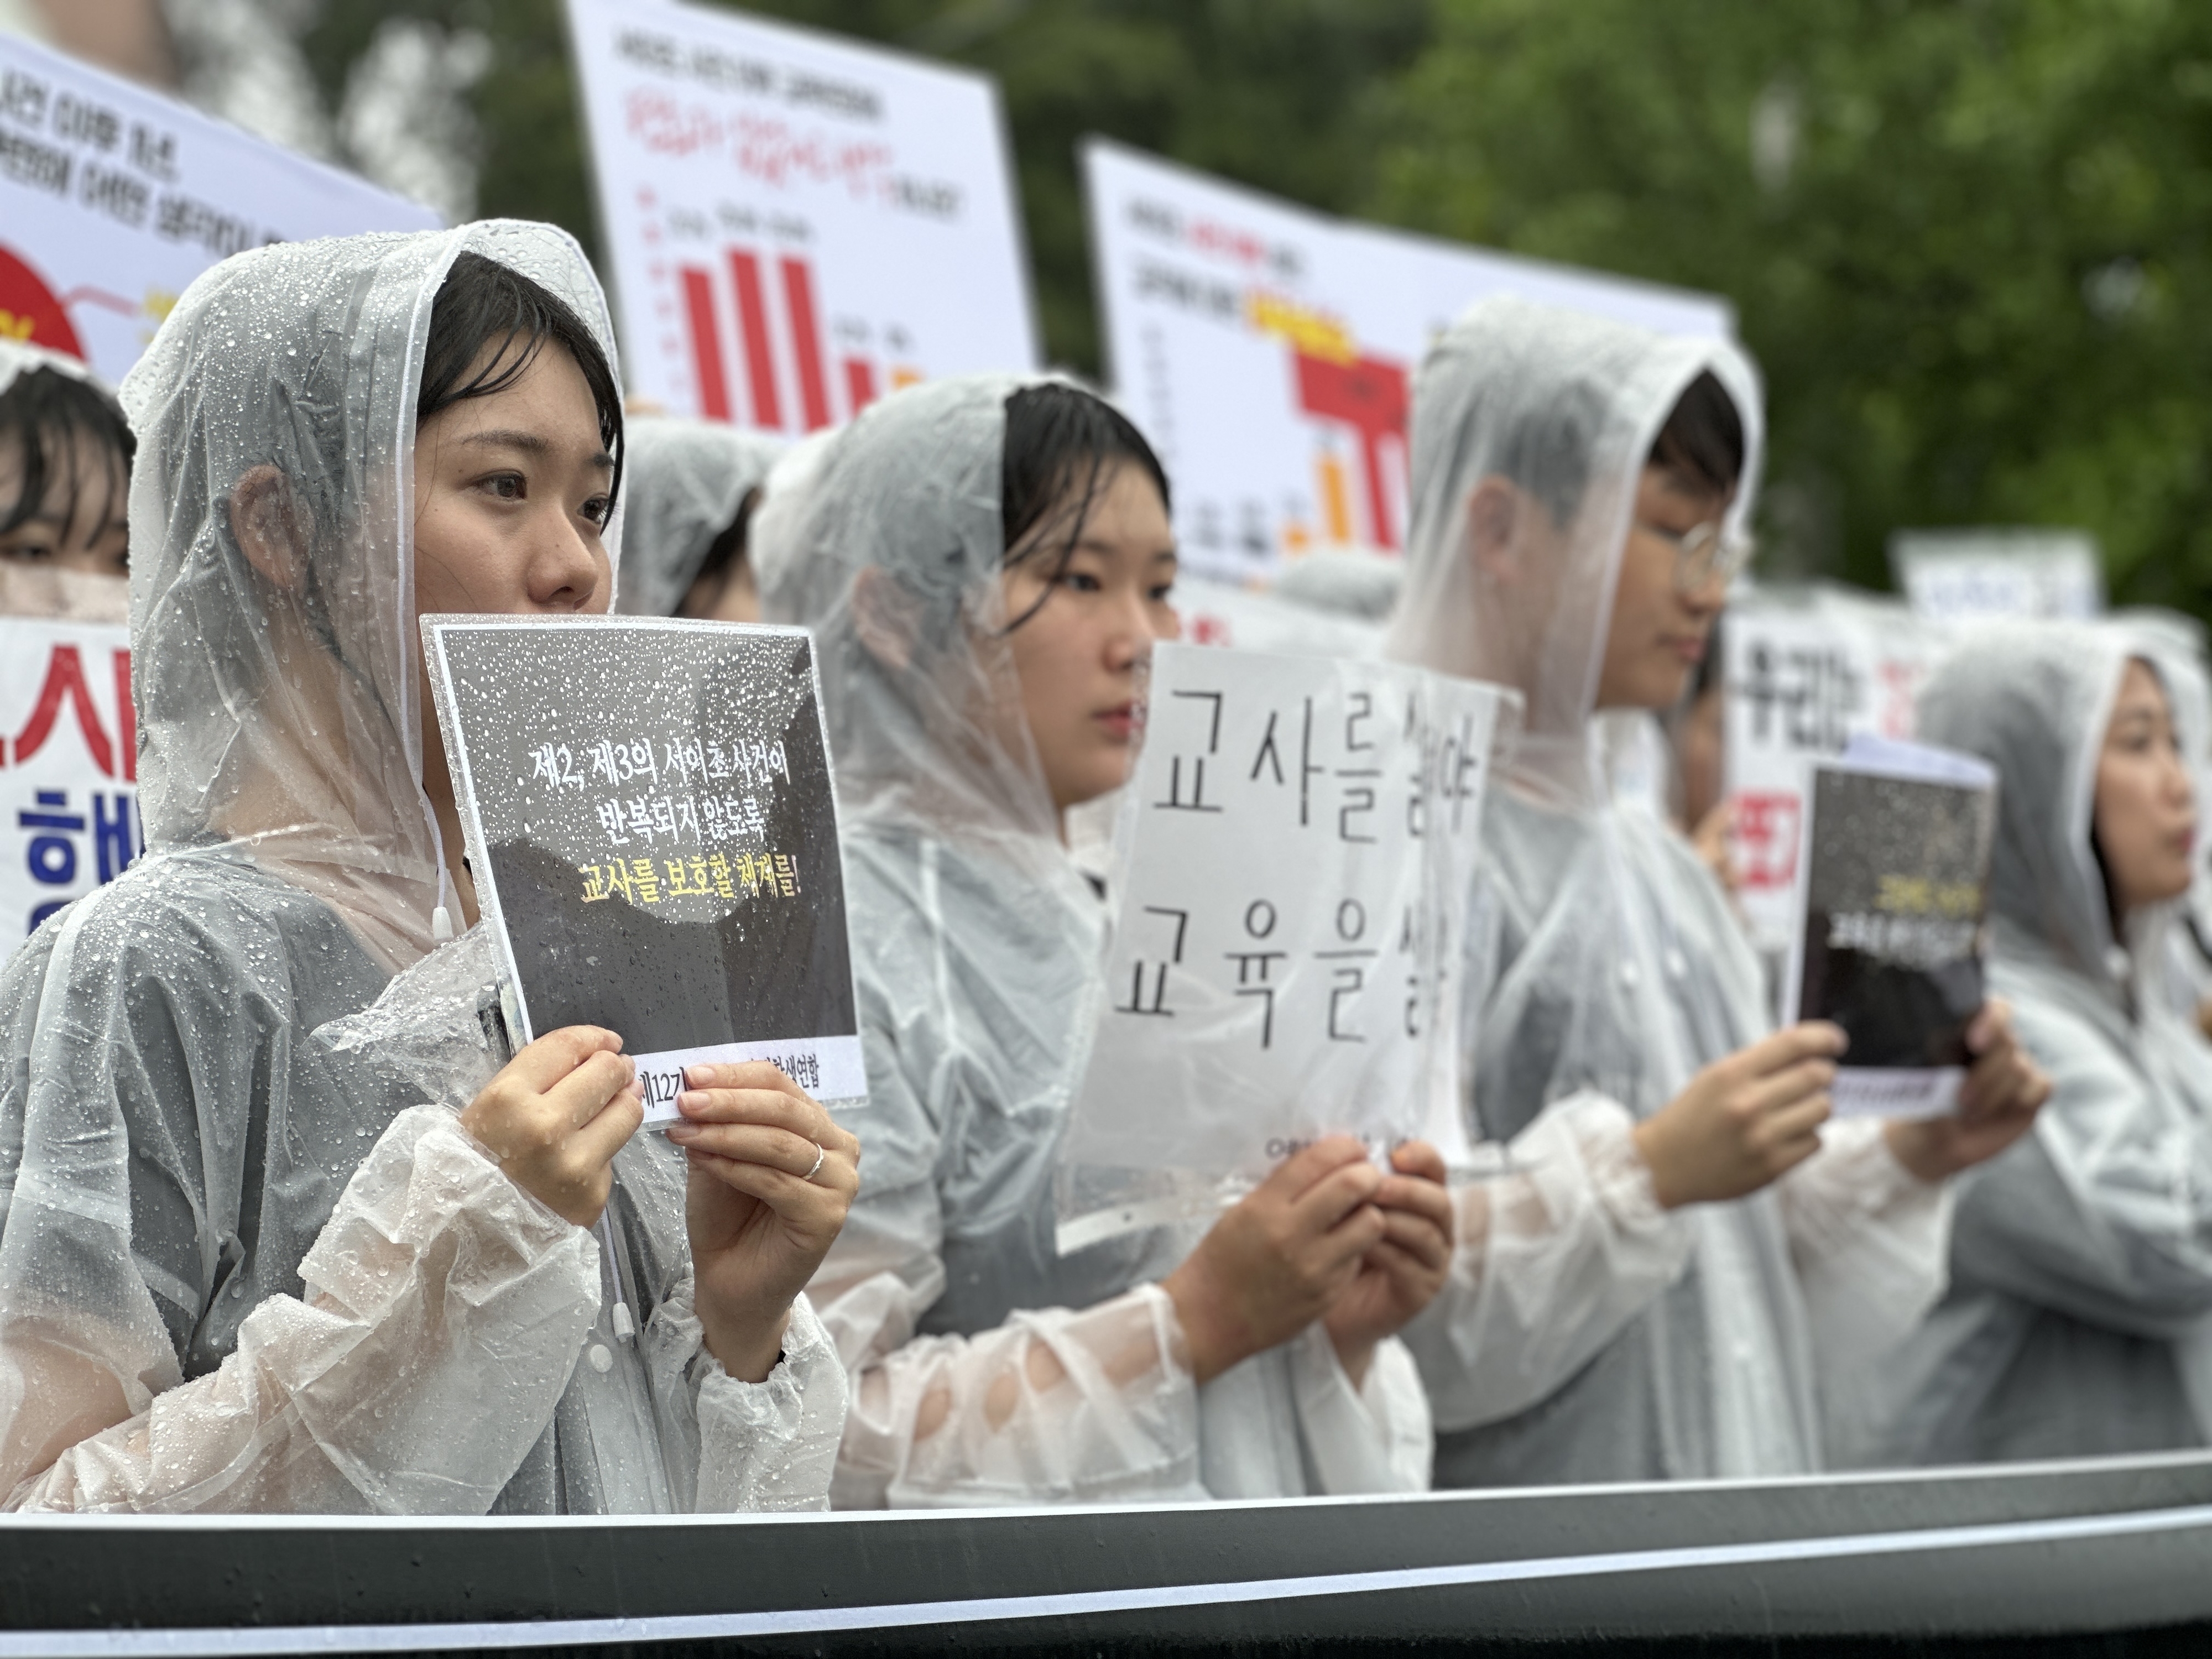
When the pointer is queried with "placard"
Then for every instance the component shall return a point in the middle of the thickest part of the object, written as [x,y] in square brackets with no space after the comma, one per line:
[69,766]
[1806,672]
[1292,863]
[652,830]
[795,224]
[1267,350]
[1983,574]
[113,197]
[1890,908]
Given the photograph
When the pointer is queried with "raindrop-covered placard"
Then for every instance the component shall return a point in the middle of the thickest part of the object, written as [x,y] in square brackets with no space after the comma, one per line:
[652,830]
[1892,897]
[1291,875]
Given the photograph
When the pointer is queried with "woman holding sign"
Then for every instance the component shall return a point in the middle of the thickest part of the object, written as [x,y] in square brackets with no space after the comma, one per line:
[243,1268]
[2079,1319]
[1702,1258]
[986,564]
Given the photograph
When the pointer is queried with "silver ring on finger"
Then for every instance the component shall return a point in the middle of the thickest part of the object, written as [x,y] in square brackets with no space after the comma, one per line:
[820,1152]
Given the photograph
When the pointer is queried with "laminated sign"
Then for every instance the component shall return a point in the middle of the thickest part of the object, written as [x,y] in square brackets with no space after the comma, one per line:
[69,788]
[651,828]
[1292,871]
[1892,894]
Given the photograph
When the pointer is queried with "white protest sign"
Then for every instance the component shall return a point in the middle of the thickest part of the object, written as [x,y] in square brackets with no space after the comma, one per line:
[1804,675]
[1968,575]
[1292,867]
[1267,350]
[113,199]
[796,224]
[69,766]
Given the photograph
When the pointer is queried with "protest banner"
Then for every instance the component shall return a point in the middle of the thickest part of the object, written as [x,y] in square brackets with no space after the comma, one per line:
[1888,935]
[795,224]
[1970,575]
[113,197]
[1291,868]
[69,766]
[1804,673]
[1267,350]
[657,851]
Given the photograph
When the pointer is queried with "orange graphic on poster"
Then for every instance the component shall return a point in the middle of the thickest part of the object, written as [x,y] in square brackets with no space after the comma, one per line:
[28,310]
[1336,382]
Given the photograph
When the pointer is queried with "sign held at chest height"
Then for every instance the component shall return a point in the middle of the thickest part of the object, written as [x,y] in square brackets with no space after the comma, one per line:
[1291,868]
[652,832]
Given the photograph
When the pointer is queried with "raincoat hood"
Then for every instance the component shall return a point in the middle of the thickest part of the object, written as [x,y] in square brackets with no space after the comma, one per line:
[2033,699]
[682,482]
[887,542]
[285,718]
[1566,407]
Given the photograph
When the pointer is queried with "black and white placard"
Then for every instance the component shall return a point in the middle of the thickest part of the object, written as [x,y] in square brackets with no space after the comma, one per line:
[1892,891]
[652,830]
[1290,881]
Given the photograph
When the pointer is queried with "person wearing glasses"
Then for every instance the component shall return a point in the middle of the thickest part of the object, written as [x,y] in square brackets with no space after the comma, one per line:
[1705,1253]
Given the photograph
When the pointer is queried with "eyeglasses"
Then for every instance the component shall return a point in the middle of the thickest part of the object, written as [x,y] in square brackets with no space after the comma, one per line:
[1703,554]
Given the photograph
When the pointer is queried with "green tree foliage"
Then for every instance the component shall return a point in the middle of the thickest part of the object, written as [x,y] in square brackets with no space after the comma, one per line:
[1971,242]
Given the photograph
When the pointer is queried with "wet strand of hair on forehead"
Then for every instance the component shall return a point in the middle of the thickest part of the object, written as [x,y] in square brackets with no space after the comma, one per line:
[45,411]
[1702,442]
[1055,431]
[484,304]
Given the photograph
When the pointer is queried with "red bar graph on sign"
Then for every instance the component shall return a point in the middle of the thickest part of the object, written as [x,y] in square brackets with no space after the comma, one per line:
[806,343]
[706,344]
[859,383]
[769,347]
[752,320]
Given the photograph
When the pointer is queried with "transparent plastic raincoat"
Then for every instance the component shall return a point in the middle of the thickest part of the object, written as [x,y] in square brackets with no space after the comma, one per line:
[986,1369]
[1586,1334]
[246,1264]
[682,482]
[2079,1319]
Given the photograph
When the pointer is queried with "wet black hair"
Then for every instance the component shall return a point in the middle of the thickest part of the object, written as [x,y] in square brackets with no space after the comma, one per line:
[1701,443]
[481,301]
[726,554]
[43,410]
[1061,442]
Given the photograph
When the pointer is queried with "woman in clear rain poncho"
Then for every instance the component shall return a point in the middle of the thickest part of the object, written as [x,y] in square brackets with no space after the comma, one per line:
[1645,1300]
[64,480]
[985,564]
[690,489]
[242,1266]
[2079,1319]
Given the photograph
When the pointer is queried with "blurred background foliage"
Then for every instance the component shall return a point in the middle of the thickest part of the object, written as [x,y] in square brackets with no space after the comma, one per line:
[1969,240]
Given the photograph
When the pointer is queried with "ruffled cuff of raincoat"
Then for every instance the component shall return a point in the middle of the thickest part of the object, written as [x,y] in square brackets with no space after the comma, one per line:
[766,1445]
[1377,1437]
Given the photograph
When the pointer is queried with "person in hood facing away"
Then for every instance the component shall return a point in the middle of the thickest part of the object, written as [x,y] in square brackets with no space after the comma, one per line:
[243,1265]
[64,479]
[689,490]
[1701,1247]
[986,564]
[2079,1318]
